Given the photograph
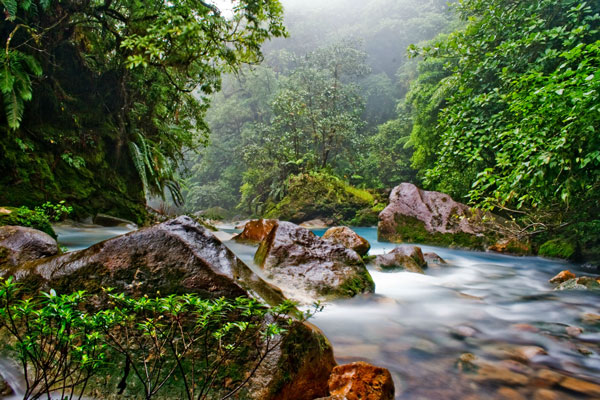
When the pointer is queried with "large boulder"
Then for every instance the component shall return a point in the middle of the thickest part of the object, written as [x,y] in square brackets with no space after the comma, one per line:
[175,257]
[255,231]
[19,244]
[347,238]
[418,216]
[406,258]
[361,381]
[181,256]
[306,267]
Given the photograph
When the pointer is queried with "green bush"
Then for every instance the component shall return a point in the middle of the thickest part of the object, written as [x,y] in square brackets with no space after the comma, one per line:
[39,218]
[176,347]
[557,248]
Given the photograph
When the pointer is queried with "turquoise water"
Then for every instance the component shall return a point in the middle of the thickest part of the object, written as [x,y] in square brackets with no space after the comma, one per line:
[501,309]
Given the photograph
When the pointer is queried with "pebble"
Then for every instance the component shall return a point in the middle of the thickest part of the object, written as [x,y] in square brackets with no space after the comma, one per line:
[509,394]
[545,394]
[581,386]
[574,330]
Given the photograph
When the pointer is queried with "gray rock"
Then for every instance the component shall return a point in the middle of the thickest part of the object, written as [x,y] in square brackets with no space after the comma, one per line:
[19,244]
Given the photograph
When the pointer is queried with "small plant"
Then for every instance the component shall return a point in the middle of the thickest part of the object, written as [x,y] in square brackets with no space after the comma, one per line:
[55,212]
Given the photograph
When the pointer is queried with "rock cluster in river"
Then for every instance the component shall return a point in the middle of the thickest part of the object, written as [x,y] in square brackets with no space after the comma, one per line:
[566,280]
[304,265]
[181,256]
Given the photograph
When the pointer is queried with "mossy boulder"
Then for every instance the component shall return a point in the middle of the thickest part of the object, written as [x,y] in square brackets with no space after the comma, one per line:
[417,216]
[558,248]
[320,196]
[306,267]
[23,216]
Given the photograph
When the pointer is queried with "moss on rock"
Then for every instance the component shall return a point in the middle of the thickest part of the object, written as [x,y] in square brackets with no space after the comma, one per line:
[24,216]
[558,248]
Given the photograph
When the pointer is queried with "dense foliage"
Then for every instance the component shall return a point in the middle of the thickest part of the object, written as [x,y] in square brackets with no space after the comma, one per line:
[101,97]
[511,118]
[185,346]
[314,105]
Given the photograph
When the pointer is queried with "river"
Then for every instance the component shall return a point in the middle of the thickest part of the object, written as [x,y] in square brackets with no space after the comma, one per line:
[484,326]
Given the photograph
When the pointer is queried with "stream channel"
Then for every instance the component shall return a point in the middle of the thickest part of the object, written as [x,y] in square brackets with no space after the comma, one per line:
[484,326]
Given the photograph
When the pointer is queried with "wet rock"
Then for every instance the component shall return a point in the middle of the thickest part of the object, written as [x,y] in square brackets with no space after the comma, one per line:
[299,370]
[491,373]
[317,224]
[347,238]
[415,215]
[524,354]
[546,394]
[19,244]
[109,220]
[361,381]
[463,331]
[176,257]
[590,318]
[507,393]
[408,258]
[581,283]
[573,331]
[547,378]
[562,276]
[307,267]
[581,386]
[433,260]
[5,389]
[525,327]
[512,245]
[255,231]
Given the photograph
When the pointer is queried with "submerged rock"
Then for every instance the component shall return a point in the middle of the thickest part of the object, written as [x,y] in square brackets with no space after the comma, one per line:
[347,238]
[581,283]
[317,224]
[432,259]
[408,258]
[415,215]
[304,265]
[19,245]
[109,220]
[255,231]
[361,381]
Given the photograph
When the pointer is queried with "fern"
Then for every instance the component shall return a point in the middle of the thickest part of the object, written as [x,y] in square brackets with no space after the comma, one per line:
[13,105]
[139,164]
[11,8]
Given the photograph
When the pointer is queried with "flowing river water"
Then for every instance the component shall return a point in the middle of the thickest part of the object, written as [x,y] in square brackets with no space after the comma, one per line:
[484,326]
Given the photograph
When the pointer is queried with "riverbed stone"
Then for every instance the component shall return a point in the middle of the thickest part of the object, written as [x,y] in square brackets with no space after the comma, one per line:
[546,394]
[19,244]
[306,267]
[578,385]
[417,216]
[361,381]
[347,238]
[255,231]
[581,283]
[402,258]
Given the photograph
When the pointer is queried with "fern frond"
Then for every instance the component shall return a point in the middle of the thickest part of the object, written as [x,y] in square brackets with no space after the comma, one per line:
[13,105]
[139,164]
[7,79]
[11,8]
[34,66]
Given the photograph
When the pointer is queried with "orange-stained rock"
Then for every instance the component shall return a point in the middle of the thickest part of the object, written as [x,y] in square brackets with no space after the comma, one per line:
[511,246]
[255,231]
[347,238]
[584,387]
[545,394]
[562,276]
[361,381]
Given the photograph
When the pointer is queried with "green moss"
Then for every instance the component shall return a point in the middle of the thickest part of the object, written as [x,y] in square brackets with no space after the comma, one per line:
[557,248]
[320,195]
[356,285]
[24,216]
[412,230]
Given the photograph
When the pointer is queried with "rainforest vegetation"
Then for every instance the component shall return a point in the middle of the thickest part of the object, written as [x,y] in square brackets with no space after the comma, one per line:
[107,103]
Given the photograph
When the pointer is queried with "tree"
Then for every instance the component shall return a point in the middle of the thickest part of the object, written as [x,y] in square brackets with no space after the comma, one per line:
[518,128]
[147,65]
